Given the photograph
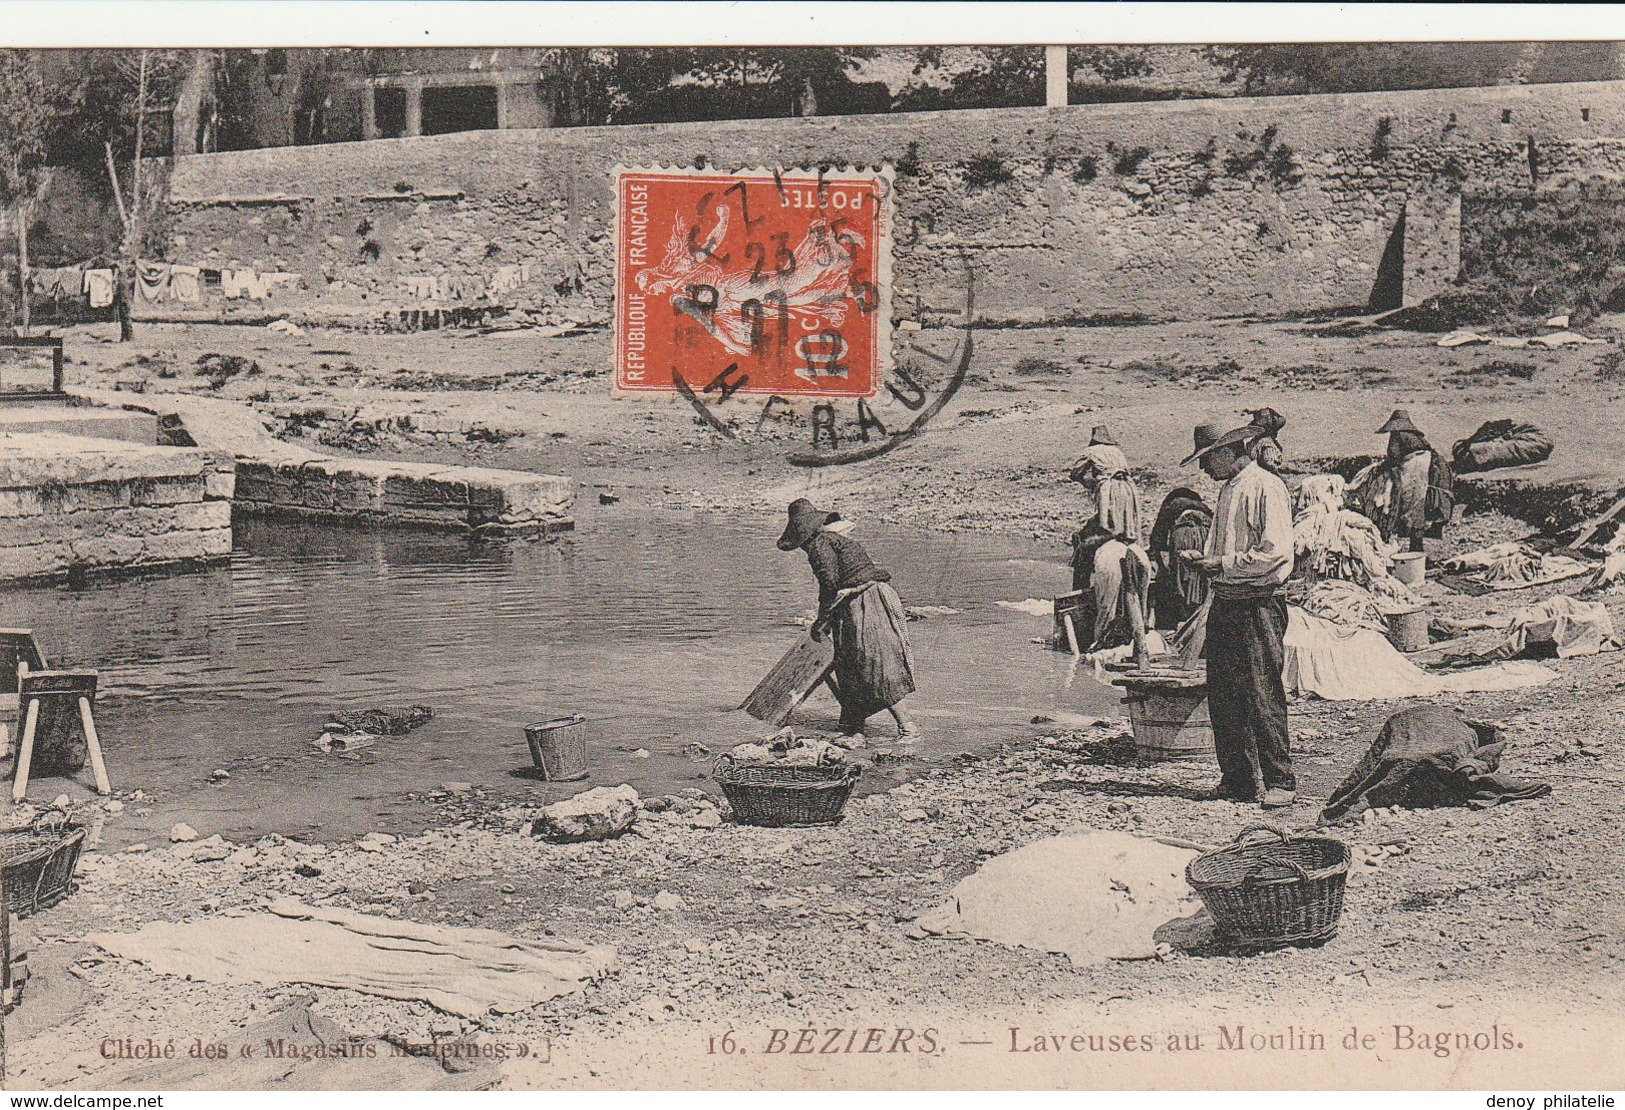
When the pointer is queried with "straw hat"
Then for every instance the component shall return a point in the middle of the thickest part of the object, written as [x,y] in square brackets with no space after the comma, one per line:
[805,521]
[1204,436]
[1399,422]
[1234,437]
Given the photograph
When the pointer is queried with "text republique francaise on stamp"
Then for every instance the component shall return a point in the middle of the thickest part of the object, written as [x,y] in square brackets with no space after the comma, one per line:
[769,282]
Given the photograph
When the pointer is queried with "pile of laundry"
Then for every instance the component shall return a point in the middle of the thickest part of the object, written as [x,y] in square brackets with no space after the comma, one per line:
[345,732]
[1500,443]
[1094,896]
[1032,606]
[1560,626]
[1341,662]
[785,749]
[467,972]
[1610,576]
[1514,565]
[1347,604]
[1428,756]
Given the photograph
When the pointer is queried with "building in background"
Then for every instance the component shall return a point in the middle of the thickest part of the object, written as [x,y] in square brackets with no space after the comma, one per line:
[434,92]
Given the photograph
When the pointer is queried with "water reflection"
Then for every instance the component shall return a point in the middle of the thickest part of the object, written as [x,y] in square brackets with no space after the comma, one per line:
[654,625]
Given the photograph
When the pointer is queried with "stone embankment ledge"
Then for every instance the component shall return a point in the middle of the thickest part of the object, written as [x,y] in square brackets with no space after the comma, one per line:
[277,478]
[70,504]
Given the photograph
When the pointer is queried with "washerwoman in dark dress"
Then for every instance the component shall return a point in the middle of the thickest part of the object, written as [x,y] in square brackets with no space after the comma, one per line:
[861,613]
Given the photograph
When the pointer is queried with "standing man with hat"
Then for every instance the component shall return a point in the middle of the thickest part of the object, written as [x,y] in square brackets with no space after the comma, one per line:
[1249,556]
[1410,494]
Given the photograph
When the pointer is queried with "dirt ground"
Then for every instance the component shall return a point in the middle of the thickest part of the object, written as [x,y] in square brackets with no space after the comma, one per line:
[1460,921]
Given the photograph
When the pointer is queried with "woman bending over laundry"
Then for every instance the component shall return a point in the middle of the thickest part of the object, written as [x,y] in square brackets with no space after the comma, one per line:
[861,613]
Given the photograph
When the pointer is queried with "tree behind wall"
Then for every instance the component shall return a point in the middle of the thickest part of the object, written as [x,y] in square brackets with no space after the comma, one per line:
[975,77]
[111,108]
[1289,68]
[23,122]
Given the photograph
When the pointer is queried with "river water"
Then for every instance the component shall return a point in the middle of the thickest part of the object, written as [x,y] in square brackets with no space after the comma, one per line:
[654,625]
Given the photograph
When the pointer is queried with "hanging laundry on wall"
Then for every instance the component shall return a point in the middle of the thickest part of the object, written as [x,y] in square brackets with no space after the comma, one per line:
[504,280]
[99,287]
[58,282]
[234,283]
[275,281]
[183,284]
[152,280]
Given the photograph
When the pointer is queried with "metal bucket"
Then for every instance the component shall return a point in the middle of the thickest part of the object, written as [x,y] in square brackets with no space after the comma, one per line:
[1171,723]
[1410,567]
[559,748]
[1408,631]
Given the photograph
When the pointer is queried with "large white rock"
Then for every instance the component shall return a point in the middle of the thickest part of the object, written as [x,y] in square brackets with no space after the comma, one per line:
[596,814]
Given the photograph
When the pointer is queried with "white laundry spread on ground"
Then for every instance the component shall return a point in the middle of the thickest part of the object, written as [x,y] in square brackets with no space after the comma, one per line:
[1095,896]
[1340,663]
[1356,664]
[469,972]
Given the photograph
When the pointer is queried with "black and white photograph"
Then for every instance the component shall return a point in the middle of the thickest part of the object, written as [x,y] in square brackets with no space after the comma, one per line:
[861,552]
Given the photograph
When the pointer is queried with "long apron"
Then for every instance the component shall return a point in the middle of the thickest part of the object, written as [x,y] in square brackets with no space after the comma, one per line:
[873,666]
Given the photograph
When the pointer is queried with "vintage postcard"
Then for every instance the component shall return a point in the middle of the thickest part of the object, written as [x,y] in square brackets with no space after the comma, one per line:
[893,562]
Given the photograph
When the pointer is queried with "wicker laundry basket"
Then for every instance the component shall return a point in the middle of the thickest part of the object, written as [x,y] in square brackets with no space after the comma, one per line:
[776,795]
[39,861]
[1269,889]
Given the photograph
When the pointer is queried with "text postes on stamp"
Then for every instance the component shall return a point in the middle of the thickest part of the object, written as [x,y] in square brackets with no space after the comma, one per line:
[772,282]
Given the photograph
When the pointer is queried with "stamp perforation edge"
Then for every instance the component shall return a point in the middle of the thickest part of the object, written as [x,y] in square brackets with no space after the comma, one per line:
[883,175]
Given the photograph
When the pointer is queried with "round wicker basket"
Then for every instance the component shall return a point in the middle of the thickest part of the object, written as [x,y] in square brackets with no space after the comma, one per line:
[38,863]
[1269,892]
[778,795]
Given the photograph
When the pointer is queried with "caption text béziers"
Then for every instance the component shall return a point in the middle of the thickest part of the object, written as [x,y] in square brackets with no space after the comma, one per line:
[1399,1037]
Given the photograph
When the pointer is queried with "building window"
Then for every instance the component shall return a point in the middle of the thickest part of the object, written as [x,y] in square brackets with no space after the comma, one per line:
[389,111]
[459,108]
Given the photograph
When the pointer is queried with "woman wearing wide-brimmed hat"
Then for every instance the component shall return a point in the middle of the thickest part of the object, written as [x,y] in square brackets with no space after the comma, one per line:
[1410,494]
[862,615]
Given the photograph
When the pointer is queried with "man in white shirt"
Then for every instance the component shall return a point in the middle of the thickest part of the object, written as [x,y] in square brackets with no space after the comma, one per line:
[1249,555]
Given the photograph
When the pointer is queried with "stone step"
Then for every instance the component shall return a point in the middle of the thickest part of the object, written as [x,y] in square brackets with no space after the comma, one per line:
[71,504]
[272,477]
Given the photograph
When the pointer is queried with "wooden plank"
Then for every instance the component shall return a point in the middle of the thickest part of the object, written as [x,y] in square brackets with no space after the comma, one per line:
[1590,530]
[1071,633]
[25,754]
[791,680]
[17,648]
[97,767]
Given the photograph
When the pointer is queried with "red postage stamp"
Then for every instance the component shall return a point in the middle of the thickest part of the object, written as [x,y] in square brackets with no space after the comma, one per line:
[762,281]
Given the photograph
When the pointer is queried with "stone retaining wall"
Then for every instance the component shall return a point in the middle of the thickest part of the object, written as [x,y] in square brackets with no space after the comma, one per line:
[416,495]
[1185,209]
[70,504]
[277,478]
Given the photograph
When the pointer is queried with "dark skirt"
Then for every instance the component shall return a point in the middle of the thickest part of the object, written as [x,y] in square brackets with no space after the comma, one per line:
[873,669]
[1180,588]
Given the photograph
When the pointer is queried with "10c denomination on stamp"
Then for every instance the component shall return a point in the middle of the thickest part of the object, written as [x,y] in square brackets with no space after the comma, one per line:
[779,281]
